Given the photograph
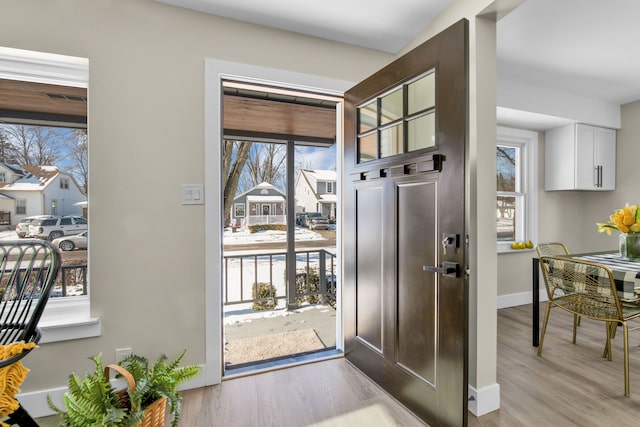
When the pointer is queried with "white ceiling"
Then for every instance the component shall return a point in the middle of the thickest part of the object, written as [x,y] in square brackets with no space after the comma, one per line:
[377,24]
[587,48]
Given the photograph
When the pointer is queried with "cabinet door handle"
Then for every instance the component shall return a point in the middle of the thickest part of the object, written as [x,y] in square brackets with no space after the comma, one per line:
[600,176]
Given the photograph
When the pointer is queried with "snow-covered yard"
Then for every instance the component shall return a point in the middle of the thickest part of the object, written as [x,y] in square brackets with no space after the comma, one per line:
[242,236]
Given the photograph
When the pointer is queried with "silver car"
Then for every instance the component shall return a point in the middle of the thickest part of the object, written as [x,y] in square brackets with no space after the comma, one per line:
[69,243]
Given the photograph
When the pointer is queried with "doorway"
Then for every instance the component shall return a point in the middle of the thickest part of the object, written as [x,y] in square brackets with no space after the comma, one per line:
[279,274]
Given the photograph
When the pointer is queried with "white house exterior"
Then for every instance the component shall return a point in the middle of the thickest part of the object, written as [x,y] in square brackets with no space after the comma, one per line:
[316,192]
[263,204]
[38,190]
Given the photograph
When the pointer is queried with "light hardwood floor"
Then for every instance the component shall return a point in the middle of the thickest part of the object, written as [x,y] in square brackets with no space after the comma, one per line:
[570,385]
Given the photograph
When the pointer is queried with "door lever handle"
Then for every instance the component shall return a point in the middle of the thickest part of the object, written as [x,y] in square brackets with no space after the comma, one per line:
[448,269]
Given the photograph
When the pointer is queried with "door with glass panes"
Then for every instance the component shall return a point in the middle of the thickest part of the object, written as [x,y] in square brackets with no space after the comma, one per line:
[405,291]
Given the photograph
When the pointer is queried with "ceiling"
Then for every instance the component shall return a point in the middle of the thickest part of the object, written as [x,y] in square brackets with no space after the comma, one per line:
[377,24]
[579,47]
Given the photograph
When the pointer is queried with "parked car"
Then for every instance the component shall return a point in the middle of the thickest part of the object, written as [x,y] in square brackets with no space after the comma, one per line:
[69,243]
[300,218]
[315,221]
[22,228]
[52,228]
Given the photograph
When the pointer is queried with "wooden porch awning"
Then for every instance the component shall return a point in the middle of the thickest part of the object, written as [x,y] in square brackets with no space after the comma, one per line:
[40,102]
[264,116]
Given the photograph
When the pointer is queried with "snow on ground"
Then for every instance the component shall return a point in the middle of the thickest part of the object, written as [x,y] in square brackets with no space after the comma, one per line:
[243,236]
[8,235]
[248,315]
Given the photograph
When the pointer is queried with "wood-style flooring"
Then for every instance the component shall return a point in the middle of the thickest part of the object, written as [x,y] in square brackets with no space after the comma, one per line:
[570,385]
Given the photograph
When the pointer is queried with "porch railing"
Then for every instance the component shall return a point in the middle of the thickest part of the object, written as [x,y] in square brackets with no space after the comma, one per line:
[263,219]
[71,281]
[261,278]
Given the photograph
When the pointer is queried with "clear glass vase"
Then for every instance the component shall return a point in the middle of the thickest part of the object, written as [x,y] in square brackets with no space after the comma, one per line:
[630,245]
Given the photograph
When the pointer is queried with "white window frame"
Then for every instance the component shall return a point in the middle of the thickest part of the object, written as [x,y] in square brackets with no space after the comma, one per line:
[329,187]
[527,170]
[3,177]
[64,183]
[63,318]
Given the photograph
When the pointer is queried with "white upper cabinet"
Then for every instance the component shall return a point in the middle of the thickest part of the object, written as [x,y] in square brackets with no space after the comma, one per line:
[580,157]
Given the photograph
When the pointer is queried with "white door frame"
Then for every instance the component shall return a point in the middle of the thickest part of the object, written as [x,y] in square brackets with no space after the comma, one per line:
[215,72]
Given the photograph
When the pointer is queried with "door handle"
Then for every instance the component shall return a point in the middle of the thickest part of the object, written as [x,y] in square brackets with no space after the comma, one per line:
[448,269]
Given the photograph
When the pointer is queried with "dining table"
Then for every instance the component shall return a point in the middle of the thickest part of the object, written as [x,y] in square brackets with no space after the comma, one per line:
[626,274]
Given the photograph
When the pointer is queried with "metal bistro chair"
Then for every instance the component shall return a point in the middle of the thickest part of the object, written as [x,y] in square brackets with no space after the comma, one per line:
[28,271]
[552,249]
[587,289]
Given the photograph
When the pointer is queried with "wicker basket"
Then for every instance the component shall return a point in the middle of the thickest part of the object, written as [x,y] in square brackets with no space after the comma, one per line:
[154,413]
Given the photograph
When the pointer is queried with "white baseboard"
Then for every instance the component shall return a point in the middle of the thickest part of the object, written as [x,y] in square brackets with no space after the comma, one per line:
[485,400]
[36,402]
[522,298]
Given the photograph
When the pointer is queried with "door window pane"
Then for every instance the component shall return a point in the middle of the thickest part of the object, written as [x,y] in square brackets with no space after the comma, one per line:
[421,94]
[391,141]
[368,147]
[421,132]
[368,117]
[391,107]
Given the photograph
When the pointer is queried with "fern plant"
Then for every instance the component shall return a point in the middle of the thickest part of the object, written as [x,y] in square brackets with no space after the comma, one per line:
[160,380]
[91,401]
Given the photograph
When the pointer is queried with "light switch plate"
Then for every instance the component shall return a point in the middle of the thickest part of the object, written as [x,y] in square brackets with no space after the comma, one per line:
[192,194]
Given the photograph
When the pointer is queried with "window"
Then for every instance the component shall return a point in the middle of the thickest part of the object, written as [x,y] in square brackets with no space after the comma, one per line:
[329,187]
[516,184]
[21,206]
[64,183]
[65,79]
[400,121]
[239,210]
[3,177]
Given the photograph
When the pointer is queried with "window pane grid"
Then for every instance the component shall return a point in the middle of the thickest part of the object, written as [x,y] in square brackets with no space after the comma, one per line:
[401,120]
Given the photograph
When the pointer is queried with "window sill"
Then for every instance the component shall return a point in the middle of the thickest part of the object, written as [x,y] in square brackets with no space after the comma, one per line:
[508,250]
[68,319]
[71,330]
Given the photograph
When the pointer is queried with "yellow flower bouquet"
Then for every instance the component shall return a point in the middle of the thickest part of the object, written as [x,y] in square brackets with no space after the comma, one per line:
[627,222]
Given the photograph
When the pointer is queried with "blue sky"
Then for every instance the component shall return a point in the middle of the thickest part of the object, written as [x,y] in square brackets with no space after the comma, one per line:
[317,157]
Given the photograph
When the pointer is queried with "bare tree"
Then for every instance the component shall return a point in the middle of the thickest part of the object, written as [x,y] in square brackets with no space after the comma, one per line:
[266,163]
[235,154]
[506,179]
[79,157]
[33,145]
[7,150]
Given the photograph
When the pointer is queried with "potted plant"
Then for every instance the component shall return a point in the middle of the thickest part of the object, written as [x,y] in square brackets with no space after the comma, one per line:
[92,401]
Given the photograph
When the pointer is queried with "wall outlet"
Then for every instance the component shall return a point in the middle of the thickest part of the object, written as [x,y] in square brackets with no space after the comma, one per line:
[122,353]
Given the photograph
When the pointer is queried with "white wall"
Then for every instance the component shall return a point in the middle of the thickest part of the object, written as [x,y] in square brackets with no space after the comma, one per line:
[146,97]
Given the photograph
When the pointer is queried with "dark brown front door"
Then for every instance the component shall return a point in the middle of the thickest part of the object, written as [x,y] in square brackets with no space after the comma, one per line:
[405,291]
